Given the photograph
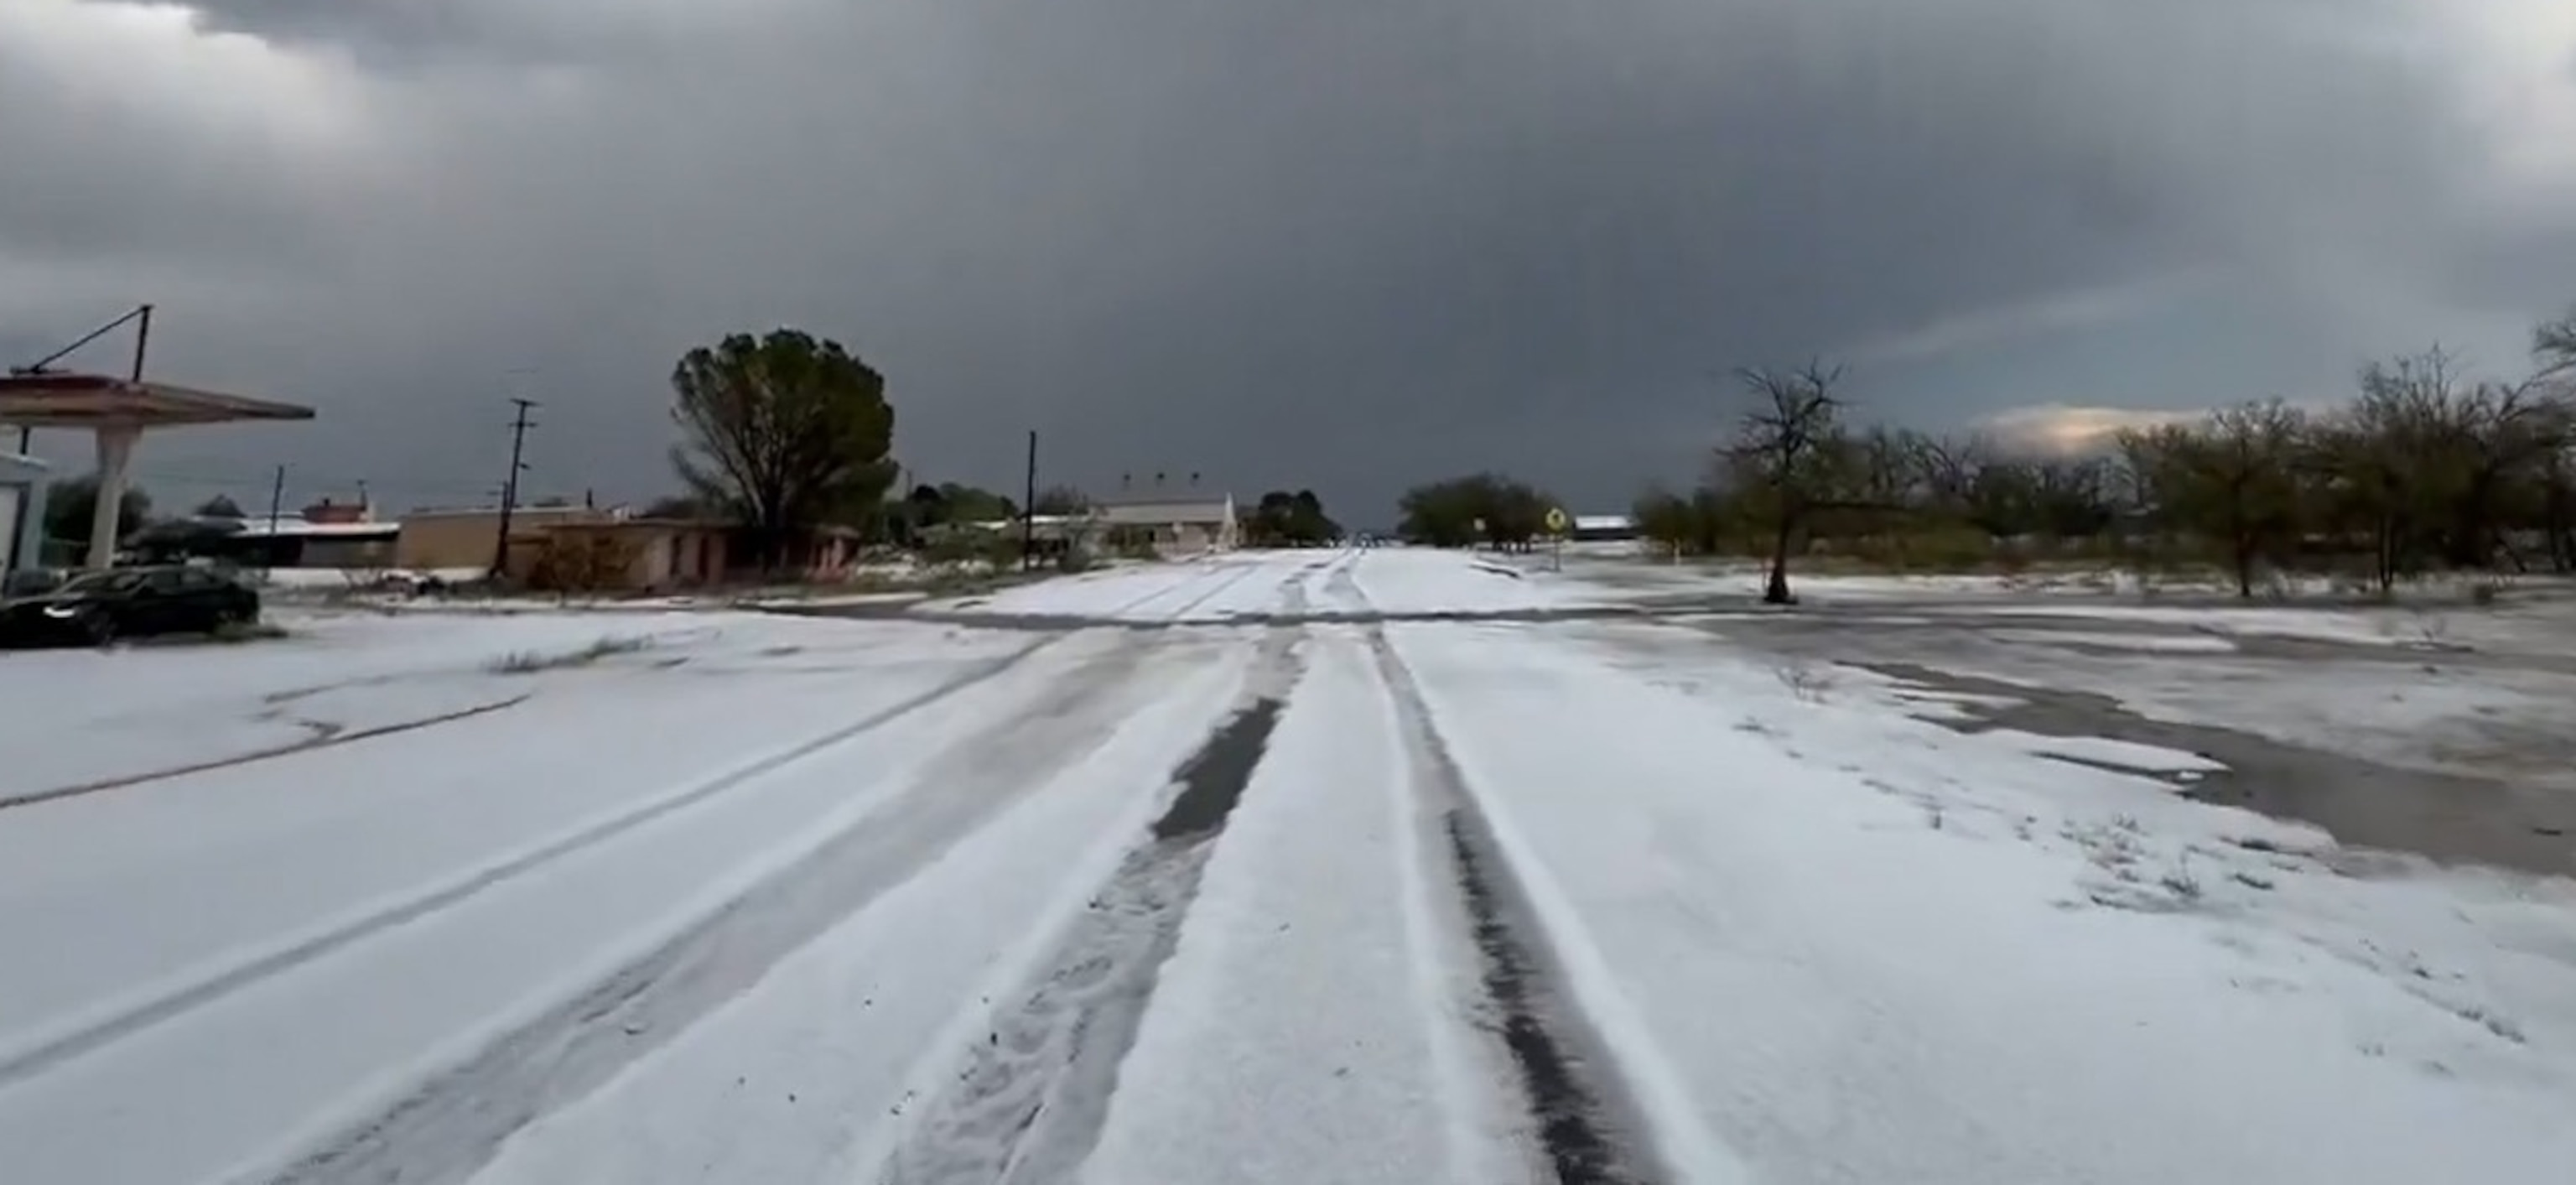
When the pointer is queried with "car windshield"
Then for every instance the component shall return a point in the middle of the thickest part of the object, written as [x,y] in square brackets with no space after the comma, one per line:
[102,582]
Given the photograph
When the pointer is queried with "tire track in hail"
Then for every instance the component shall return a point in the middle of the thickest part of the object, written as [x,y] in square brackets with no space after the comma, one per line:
[453,1124]
[1580,1116]
[309,745]
[90,1034]
[1229,581]
[1151,595]
[1027,1106]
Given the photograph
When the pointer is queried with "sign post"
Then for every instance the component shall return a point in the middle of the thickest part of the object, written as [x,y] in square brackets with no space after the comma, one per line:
[1556,527]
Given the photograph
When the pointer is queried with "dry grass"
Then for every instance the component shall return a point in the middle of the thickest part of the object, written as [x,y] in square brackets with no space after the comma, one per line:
[529,662]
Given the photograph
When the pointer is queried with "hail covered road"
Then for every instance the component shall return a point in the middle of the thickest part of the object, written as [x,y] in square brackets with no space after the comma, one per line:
[1327,866]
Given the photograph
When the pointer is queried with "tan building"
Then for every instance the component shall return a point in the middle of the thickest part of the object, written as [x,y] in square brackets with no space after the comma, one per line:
[607,550]
[455,540]
[629,555]
[1183,522]
[619,554]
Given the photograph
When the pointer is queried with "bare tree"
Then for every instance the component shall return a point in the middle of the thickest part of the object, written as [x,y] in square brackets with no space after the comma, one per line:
[2553,347]
[2379,457]
[2071,497]
[2513,430]
[1884,470]
[2426,466]
[1788,445]
[2554,344]
[1948,468]
[2238,466]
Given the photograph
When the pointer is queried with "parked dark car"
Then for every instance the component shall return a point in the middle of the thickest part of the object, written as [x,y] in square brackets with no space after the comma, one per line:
[96,608]
[28,582]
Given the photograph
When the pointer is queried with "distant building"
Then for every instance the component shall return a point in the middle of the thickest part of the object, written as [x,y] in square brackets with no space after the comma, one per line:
[327,511]
[465,539]
[1177,521]
[631,554]
[1603,528]
[336,540]
[342,535]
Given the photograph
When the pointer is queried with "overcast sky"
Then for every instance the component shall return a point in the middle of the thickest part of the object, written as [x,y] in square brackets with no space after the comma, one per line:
[1345,244]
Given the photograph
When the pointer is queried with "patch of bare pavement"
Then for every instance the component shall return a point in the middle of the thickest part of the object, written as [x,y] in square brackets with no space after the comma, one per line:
[2452,818]
[2503,797]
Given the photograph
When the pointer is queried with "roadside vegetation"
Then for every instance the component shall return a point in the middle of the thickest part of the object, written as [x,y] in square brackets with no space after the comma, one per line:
[1482,509]
[787,445]
[782,433]
[1283,519]
[2426,470]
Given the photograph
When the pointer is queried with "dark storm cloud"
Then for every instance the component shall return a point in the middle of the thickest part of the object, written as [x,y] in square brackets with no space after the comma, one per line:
[1334,244]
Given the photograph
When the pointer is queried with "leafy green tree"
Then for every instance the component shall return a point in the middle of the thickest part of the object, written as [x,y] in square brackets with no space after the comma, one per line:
[1463,511]
[219,506]
[1442,513]
[968,504]
[783,433]
[933,511]
[1669,521]
[1284,519]
[69,503]
[172,540]
[1061,500]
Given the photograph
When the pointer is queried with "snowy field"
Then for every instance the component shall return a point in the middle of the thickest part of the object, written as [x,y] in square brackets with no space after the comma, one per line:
[1352,867]
[2441,612]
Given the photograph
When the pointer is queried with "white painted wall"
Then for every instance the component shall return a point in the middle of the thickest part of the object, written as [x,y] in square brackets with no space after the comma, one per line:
[10,502]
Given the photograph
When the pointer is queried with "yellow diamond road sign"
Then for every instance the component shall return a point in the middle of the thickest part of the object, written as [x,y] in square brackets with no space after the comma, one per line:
[1556,520]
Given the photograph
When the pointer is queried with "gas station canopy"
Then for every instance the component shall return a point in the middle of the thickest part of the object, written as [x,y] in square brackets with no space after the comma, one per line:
[116,411]
[60,400]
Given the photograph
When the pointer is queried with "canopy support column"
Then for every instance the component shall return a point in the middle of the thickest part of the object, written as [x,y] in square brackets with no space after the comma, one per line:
[115,449]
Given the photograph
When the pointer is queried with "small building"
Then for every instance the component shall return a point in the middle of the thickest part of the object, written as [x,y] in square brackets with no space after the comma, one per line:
[623,555]
[453,540]
[1603,528]
[1183,521]
[617,552]
[22,513]
[300,541]
[325,535]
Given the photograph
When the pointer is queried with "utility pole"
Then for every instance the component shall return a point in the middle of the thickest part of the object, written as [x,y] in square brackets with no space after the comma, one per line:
[1029,508]
[519,426]
[276,499]
[276,505]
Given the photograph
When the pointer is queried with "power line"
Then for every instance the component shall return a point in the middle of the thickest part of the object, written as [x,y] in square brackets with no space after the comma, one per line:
[1029,508]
